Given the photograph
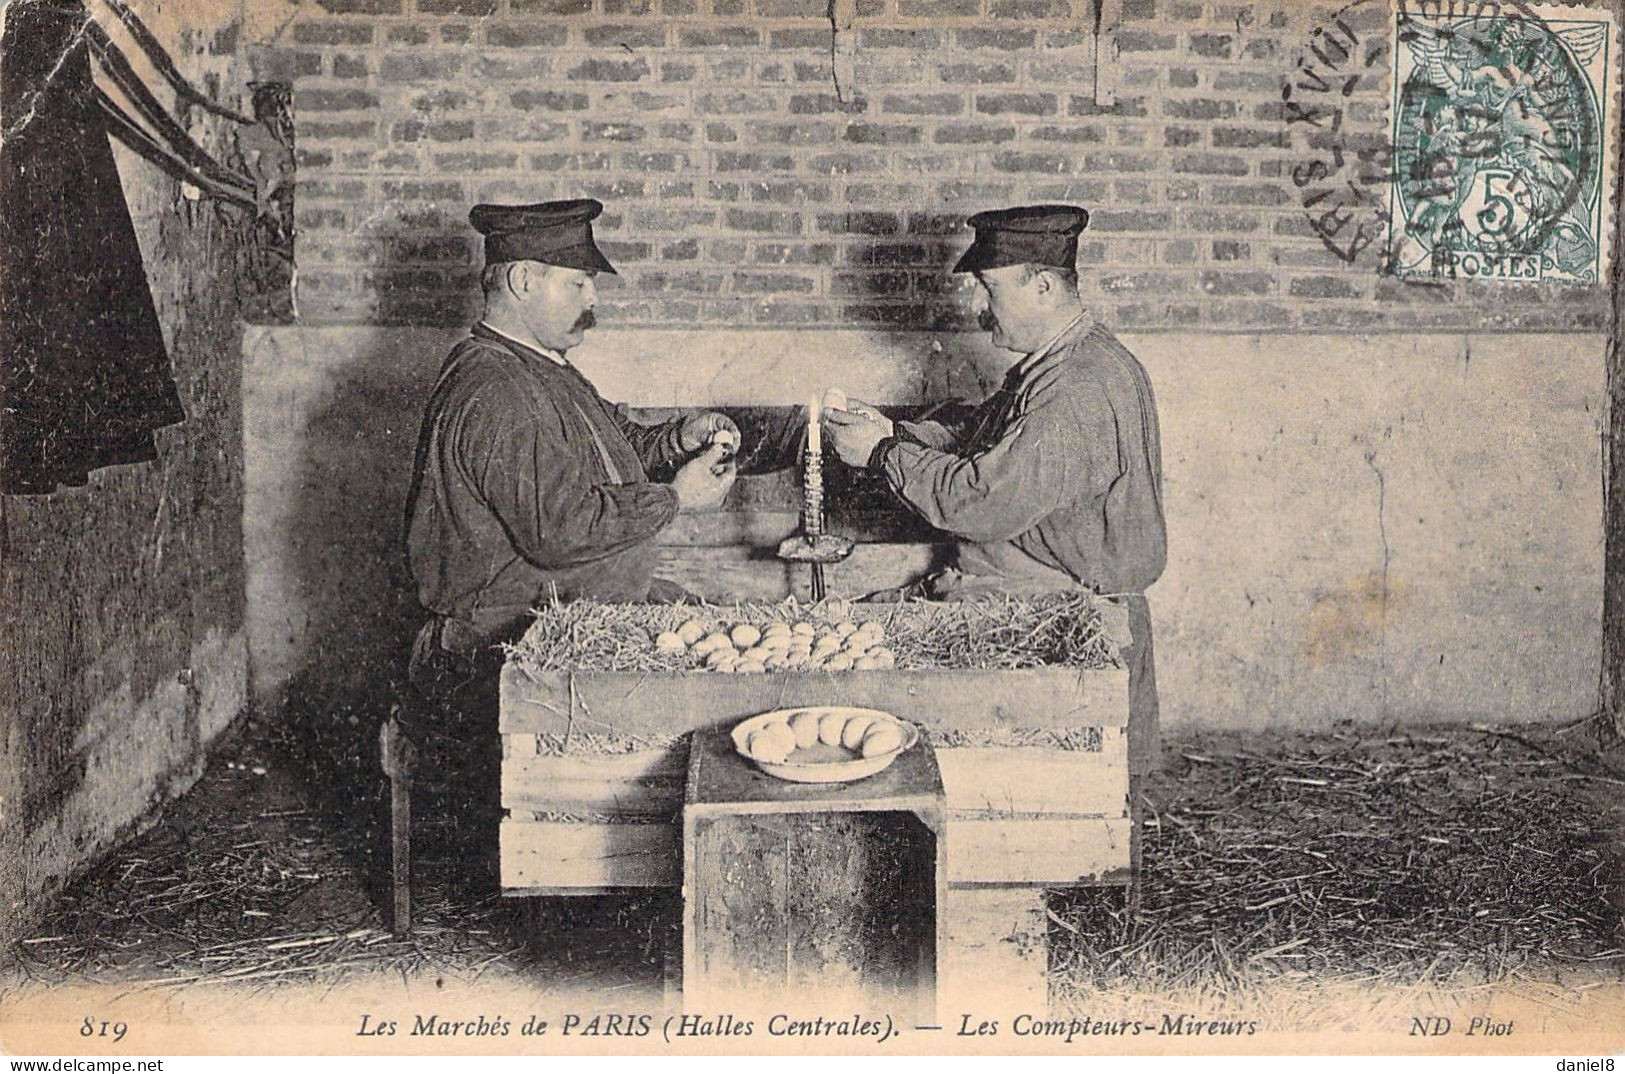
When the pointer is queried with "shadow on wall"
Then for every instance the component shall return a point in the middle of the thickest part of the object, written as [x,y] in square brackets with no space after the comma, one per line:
[353,611]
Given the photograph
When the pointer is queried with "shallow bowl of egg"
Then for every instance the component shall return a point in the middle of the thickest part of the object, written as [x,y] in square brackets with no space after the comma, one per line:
[824,743]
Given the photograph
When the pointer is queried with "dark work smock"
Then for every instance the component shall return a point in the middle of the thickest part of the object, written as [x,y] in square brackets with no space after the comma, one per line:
[1053,482]
[528,483]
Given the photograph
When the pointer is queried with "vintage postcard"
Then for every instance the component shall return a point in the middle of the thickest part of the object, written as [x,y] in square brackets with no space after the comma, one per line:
[844,527]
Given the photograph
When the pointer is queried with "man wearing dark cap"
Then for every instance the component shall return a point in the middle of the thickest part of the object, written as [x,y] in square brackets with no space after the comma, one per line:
[528,485]
[1054,482]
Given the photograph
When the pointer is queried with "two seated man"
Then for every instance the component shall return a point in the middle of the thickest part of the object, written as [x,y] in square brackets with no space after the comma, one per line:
[529,486]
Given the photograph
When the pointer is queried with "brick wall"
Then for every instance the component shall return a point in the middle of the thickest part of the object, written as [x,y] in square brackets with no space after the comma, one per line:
[743,190]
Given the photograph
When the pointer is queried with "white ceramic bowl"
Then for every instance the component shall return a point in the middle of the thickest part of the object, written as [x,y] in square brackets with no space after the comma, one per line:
[820,763]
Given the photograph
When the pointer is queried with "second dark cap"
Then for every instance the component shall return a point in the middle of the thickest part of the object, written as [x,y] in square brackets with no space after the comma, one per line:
[1024,235]
[552,232]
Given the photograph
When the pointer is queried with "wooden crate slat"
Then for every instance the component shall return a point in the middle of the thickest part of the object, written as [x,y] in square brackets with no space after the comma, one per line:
[642,782]
[1049,850]
[986,850]
[524,791]
[547,854]
[663,704]
[745,573]
[989,778]
[639,764]
[1030,780]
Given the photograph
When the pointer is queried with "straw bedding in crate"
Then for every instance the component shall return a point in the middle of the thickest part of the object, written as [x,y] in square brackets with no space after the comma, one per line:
[993,632]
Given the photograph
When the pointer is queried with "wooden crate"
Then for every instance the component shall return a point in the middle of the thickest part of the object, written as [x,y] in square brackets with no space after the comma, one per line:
[584,821]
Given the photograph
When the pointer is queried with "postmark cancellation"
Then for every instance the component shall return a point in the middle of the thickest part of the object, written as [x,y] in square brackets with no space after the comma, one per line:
[1502,154]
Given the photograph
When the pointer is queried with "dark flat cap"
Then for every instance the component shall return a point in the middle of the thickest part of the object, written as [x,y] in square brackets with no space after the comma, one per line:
[552,232]
[1025,235]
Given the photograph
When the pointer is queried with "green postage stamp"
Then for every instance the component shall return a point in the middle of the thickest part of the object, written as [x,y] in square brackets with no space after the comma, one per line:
[1503,160]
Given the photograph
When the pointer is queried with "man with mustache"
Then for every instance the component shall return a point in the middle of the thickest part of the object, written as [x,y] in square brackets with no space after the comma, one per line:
[528,484]
[1055,481]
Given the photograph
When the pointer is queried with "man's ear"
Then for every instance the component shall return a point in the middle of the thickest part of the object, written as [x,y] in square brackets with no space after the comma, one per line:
[520,277]
[1043,281]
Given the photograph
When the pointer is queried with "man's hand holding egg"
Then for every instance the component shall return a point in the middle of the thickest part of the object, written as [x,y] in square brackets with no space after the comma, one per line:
[854,436]
[700,431]
[836,399]
[703,482]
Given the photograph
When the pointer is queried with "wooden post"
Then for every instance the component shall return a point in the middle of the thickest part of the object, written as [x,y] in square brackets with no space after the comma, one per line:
[399,757]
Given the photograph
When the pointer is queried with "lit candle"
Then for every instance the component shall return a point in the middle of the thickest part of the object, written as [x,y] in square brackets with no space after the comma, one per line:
[812,478]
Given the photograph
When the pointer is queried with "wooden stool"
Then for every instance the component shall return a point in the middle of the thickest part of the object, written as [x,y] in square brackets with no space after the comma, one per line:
[811,888]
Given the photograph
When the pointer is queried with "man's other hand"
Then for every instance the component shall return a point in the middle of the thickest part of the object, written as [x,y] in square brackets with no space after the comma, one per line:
[703,482]
[699,431]
[854,436]
[870,411]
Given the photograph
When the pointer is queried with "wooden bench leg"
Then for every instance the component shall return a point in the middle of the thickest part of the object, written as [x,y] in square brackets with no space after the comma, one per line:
[399,757]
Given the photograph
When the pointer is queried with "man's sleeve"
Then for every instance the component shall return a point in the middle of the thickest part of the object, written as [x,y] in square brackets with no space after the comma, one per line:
[530,474]
[659,447]
[931,434]
[1061,447]
[944,433]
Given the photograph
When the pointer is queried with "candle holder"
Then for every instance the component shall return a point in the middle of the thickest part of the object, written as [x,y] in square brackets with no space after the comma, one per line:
[812,545]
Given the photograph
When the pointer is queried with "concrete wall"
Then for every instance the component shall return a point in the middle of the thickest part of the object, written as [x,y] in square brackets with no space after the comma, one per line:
[122,627]
[1362,527]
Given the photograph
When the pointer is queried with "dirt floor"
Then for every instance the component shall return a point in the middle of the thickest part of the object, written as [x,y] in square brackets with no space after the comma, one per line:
[1438,858]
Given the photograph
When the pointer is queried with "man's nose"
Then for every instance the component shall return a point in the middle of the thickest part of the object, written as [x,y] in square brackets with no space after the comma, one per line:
[590,293]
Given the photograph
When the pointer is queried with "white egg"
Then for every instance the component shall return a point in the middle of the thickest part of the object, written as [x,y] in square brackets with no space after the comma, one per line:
[830,727]
[670,642]
[744,635]
[804,725]
[852,734]
[766,745]
[835,399]
[883,737]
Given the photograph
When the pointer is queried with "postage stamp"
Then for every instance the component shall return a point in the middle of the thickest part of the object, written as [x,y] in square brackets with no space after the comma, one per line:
[1500,138]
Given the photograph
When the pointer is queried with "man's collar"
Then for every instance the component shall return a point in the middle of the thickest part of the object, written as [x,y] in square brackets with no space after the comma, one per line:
[483,328]
[1025,365]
